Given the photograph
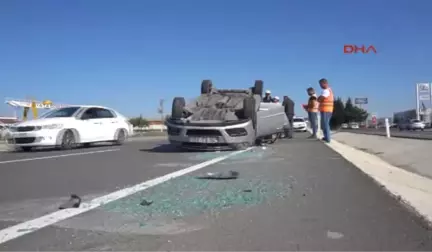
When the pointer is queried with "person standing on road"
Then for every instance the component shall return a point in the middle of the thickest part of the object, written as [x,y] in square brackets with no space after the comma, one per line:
[326,104]
[289,111]
[312,109]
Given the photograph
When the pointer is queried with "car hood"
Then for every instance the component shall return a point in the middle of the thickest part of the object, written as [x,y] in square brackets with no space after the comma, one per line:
[45,121]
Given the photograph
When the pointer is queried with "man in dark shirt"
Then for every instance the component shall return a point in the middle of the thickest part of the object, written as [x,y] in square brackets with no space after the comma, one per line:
[289,111]
[267,98]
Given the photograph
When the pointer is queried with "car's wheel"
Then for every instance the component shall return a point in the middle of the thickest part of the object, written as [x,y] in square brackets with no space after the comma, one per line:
[68,140]
[258,87]
[206,86]
[121,137]
[249,110]
[26,149]
[178,107]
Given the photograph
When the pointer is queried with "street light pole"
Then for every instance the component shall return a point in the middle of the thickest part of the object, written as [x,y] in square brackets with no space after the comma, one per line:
[161,111]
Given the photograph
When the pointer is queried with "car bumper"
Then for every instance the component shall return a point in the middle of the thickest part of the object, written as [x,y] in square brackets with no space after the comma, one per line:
[210,137]
[33,138]
[300,128]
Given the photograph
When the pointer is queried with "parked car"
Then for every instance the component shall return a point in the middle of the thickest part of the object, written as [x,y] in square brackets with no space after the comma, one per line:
[299,124]
[68,127]
[354,126]
[224,119]
[344,126]
[412,124]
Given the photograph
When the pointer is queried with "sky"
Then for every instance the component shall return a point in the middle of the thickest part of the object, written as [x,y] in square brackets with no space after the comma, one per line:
[129,54]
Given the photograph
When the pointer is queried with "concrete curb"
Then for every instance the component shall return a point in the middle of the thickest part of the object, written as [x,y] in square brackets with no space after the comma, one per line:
[414,190]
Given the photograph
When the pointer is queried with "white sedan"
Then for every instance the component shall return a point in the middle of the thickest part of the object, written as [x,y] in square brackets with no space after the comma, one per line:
[68,127]
[299,124]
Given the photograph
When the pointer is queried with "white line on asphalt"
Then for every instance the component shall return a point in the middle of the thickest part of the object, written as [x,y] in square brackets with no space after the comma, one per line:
[31,226]
[56,156]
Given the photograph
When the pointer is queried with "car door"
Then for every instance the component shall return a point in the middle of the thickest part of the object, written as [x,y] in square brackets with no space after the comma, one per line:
[109,123]
[90,128]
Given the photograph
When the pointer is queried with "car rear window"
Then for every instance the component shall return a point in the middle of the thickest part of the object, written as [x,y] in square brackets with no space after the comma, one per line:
[298,120]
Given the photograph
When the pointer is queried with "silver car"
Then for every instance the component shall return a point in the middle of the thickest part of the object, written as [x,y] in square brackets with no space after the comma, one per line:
[224,119]
[412,124]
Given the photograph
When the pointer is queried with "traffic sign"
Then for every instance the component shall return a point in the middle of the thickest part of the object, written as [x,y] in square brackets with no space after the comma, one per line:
[359,101]
[374,119]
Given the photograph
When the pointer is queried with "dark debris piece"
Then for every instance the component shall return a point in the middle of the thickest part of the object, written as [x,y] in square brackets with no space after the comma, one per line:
[220,175]
[247,190]
[73,202]
[146,203]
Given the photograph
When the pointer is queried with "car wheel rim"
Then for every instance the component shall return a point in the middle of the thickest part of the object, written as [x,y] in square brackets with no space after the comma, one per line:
[121,136]
[69,139]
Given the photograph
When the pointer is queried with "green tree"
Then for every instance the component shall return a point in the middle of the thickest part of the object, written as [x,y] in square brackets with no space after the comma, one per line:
[354,113]
[139,121]
[338,116]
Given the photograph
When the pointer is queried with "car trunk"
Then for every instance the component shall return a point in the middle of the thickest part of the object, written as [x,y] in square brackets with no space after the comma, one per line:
[219,106]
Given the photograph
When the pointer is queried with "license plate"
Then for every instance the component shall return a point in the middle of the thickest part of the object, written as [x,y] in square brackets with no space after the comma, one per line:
[21,134]
[204,139]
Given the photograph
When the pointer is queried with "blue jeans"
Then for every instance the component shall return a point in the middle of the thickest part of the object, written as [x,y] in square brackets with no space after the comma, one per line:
[325,125]
[313,119]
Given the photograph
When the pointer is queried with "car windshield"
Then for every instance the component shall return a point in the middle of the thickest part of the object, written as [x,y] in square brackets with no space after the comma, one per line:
[416,121]
[298,120]
[61,112]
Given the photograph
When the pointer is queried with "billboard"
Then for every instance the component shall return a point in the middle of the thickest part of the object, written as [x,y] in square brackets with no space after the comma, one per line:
[359,101]
[423,94]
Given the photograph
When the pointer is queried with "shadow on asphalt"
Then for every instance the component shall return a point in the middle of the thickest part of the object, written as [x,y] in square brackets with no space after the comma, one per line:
[53,149]
[168,148]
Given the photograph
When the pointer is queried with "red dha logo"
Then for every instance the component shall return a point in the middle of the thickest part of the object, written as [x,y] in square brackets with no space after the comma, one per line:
[349,49]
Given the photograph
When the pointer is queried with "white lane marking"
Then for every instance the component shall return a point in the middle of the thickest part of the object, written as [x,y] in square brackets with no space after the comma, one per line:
[31,226]
[56,156]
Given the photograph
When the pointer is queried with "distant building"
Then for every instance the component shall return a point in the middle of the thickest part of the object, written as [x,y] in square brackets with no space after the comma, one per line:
[153,125]
[404,115]
[425,116]
[156,125]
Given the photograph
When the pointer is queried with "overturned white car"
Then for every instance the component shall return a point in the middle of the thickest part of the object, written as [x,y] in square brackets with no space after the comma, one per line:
[224,119]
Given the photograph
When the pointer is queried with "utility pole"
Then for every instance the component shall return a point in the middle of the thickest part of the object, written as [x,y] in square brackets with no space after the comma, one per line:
[161,111]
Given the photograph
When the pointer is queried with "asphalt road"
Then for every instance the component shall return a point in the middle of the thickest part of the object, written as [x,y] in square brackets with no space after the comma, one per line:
[295,195]
[424,135]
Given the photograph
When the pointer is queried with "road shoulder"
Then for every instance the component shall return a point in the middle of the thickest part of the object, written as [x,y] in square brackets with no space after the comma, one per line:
[413,189]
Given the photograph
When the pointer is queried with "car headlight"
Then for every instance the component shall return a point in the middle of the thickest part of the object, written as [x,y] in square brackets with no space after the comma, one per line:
[50,126]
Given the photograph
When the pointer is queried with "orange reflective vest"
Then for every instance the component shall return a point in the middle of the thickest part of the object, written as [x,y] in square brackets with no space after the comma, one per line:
[313,104]
[328,103]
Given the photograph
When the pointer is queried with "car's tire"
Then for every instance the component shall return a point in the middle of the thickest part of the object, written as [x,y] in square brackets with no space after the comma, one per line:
[206,86]
[26,148]
[178,107]
[68,140]
[249,110]
[258,87]
[121,137]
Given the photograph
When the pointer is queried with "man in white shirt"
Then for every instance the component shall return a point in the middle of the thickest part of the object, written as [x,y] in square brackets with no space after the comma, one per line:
[326,104]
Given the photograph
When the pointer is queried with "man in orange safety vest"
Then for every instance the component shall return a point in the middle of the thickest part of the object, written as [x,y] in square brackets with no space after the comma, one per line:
[326,104]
